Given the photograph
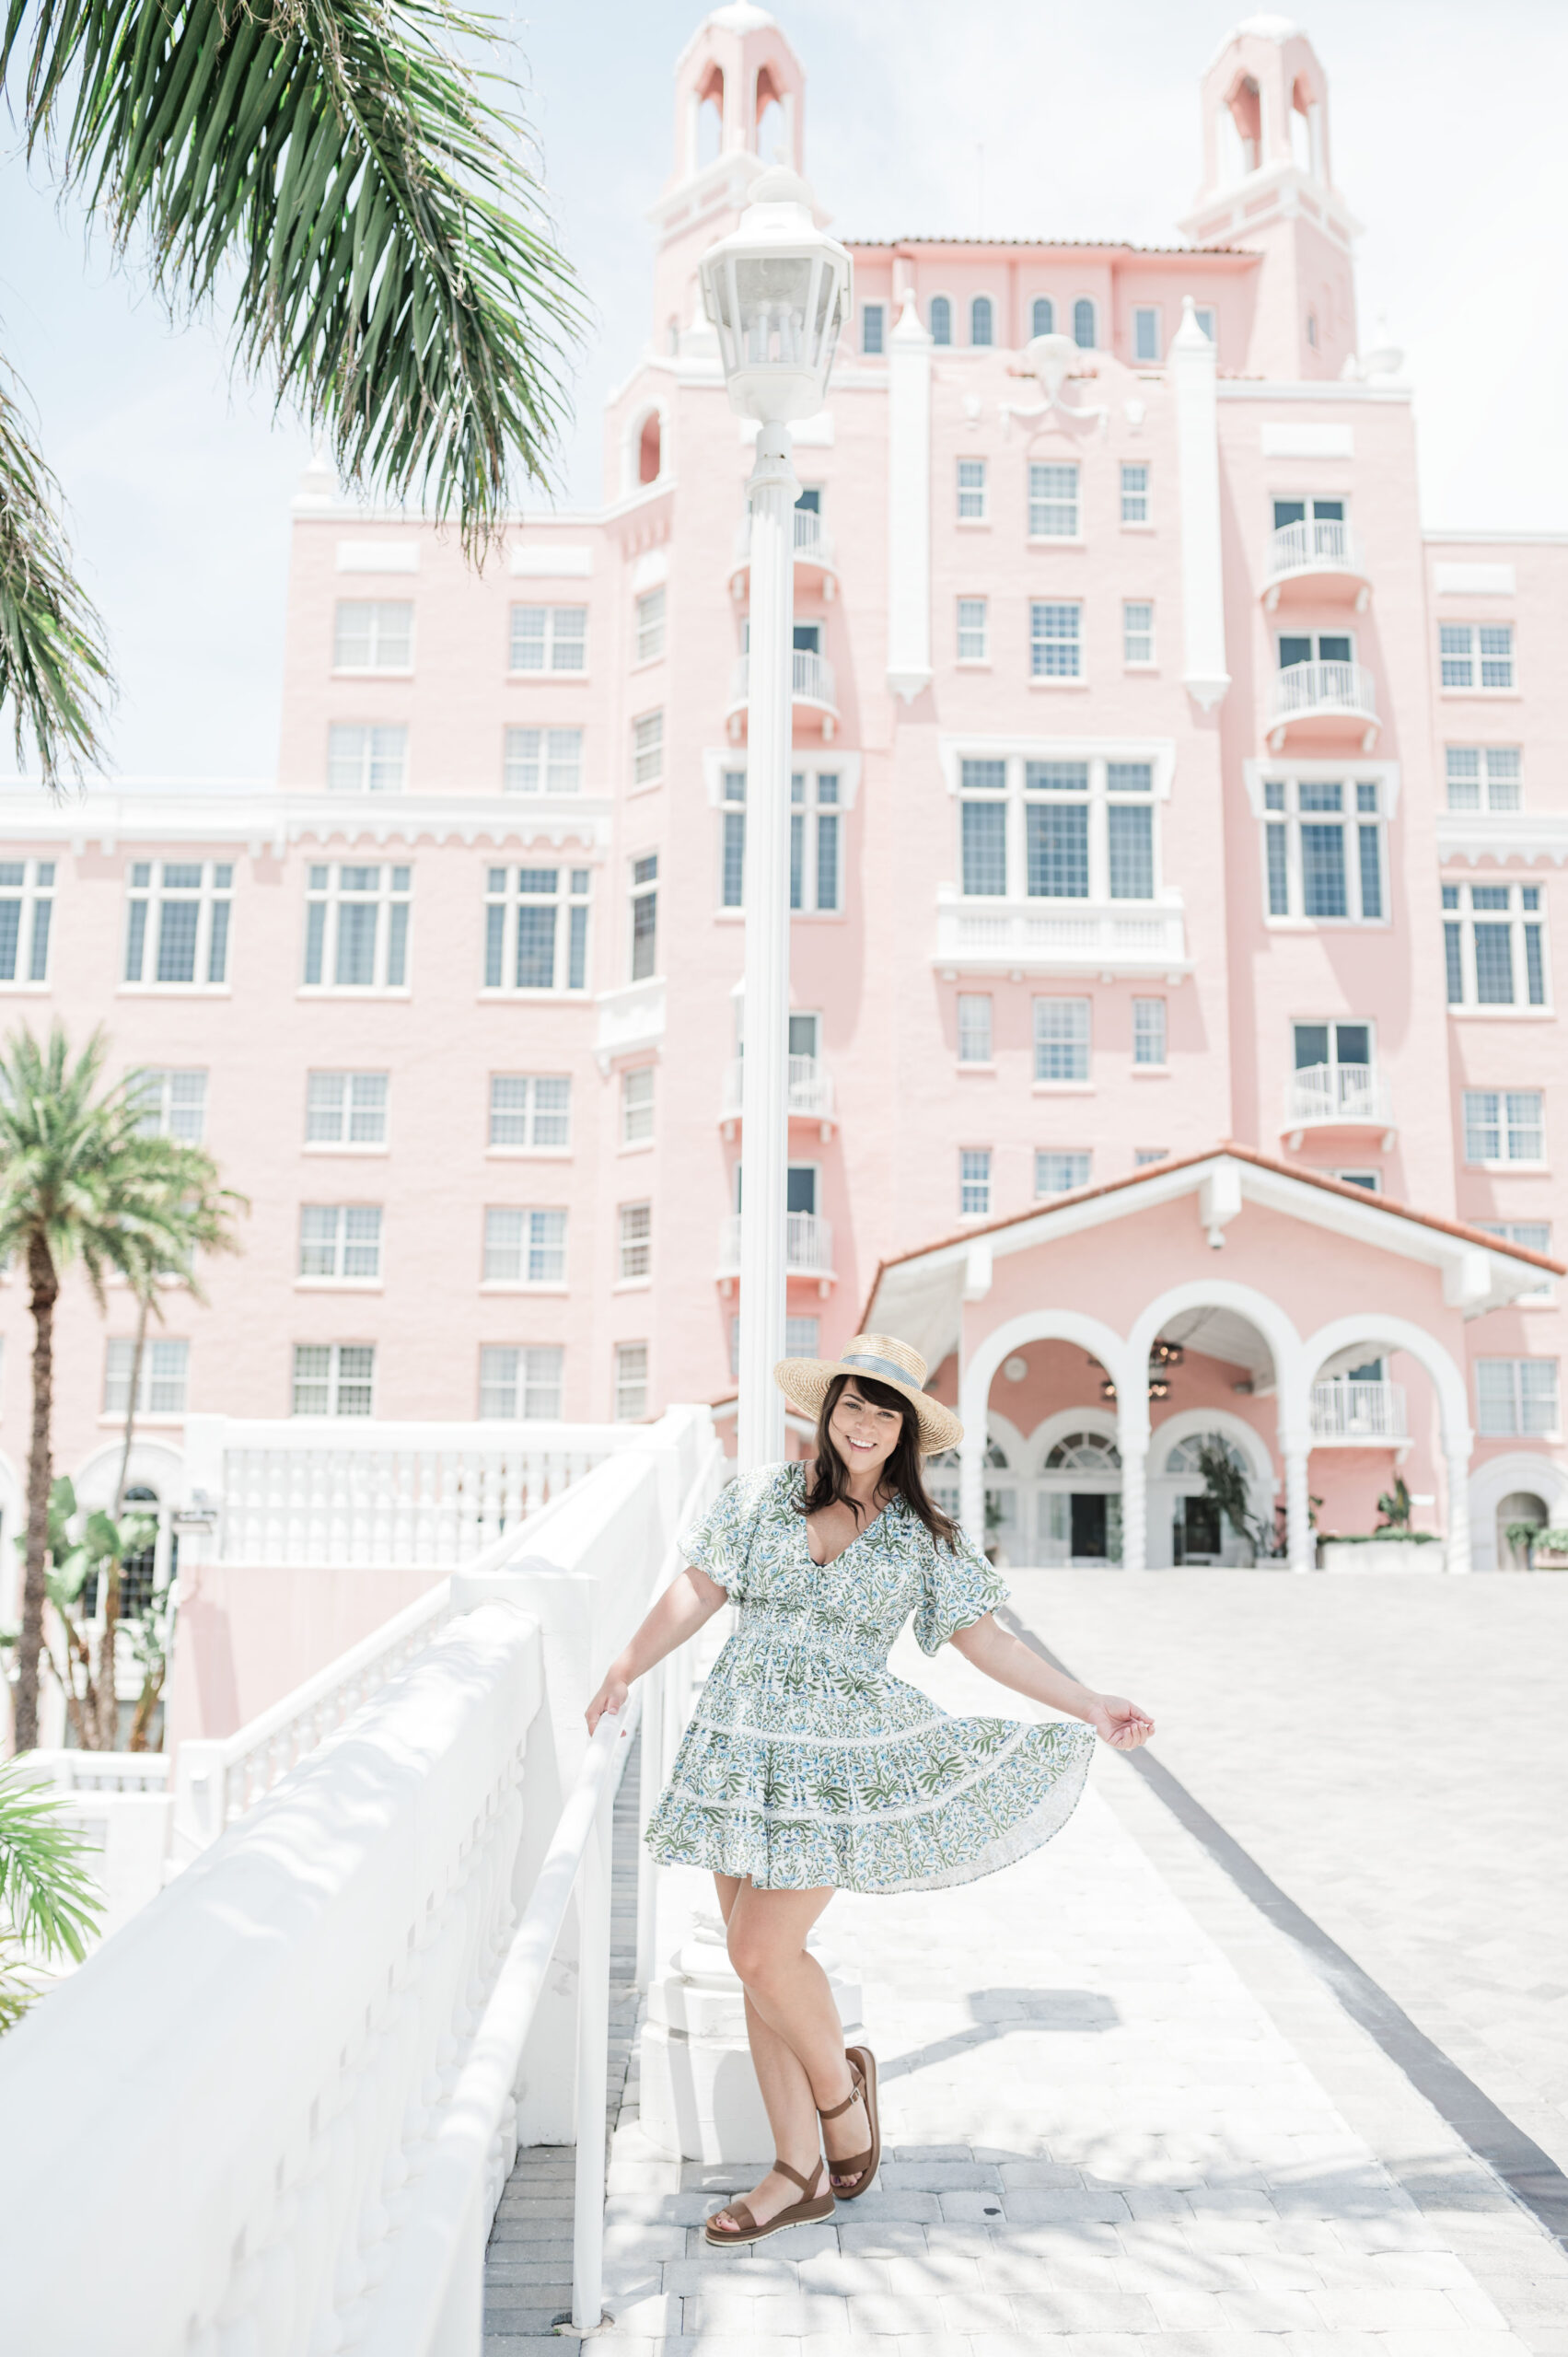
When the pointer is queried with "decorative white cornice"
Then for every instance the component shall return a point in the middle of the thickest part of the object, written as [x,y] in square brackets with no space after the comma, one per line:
[263,819]
[1503,835]
[1323,388]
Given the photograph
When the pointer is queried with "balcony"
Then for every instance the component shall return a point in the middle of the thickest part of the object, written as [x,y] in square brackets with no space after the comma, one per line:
[816,561]
[1139,939]
[1346,1415]
[810,1092]
[1338,1096]
[1323,562]
[1322,702]
[813,689]
[809,1248]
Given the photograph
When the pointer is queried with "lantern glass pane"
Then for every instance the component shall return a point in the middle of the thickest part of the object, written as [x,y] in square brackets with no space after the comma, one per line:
[772,292]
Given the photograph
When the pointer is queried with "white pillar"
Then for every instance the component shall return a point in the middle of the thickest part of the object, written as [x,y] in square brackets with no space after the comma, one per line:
[764,1109]
[1457,1454]
[909,504]
[972,1480]
[1198,466]
[1300,1546]
[1133,1447]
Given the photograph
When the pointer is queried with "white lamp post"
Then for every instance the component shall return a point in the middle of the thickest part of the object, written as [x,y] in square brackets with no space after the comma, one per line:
[777,290]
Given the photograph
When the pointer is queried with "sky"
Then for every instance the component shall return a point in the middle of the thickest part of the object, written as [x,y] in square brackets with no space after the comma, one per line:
[921,118]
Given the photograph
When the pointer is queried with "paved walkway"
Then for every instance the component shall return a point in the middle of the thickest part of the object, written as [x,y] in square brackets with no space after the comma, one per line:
[1121,2119]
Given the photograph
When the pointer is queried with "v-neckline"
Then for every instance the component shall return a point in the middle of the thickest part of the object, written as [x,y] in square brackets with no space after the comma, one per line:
[843,1551]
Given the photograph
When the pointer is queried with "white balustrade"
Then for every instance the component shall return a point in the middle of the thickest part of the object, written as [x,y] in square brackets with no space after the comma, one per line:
[1303,690]
[1314,547]
[1350,1410]
[811,679]
[1035,936]
[810,1088]
[808,1245]
[1339,1094]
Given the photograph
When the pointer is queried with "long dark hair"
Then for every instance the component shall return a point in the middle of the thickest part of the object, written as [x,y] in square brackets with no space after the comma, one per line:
[827,1481]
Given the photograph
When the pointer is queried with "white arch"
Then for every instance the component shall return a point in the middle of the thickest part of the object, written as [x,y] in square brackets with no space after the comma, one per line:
[1519,1469]
[974,1393]
[1399,1334]
[1171,1431]
[1220,1292]
[155,1464]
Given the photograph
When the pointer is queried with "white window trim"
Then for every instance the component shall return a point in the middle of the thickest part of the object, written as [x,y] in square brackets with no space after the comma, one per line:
[374,670]
[560,990]
[1477,693]
[1349,772]
[208,893]
[525,1152]
[1128,524]
[647,784]
[1150,662]
[1470,1008]
[939,295]
[547,672]
[1134,359]
[357,1147]
[645,662]
[1071,328]
[560,1284]
[1505,1166]
[1099,754]
[543,794]
[1521,1358]
[984,294]
[339,1283]
[972,662]
[1054,540]
[31,893]
[333,896]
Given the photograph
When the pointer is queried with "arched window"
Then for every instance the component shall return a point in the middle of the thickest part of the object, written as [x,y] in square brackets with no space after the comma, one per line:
[768,114]
[1084,324]
[1183,1460]
[980,320]
[1083,1453]
[941,320]
[649,449]
[1043,316]
[710,118]
[1312,330]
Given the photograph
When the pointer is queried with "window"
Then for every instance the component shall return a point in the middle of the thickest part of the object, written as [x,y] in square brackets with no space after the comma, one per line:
[373,634]
[366,758]
[1314,646]
[1148,1031]
[345,1108]
[340,1242]
[1058,1174]
[530,1113]
[1062,1039]
[644,917]
[1504,1125]
[177,927]
[647,749]
[873,322]
[972,630]
[1476,655]
[357,923]
[536,928]
[1305,512]
[983,828]
[1535,1235]
[1086,832]
[160,1388]
[524,1247]
[1494,944]
[637,1106]
[1483,777]
[26,904]
[803,1035]
[1142,1155]
[1323,849]
[1371,1180]
[974,1028]
[542,761]
[631,1381]
[519,1380]
[1145,331]
[981,316]
[1207,319]
[1336,1047]
[333,1378]
[1084,328]
[1516,1396]
[172,1104]
[941,320]
[636,1242]
[1056,841]
[1053,501]
[732,841]
[1055,648]
[1134,494]
[550,638]
[1137,632]
[648,618]
[974,1182]
[815,845]
[971,491]
[1042,315]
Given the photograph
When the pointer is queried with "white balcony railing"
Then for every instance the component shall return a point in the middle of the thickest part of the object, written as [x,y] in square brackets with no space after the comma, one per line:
[808,1246]
[1343,1409]
[1338,1095]
[1322,690]
[811,679]
[810,1088]
[1314,548]
[1060,937]
[813,544]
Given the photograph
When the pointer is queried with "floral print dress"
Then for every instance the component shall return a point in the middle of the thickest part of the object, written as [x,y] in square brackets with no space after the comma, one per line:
[807,1765]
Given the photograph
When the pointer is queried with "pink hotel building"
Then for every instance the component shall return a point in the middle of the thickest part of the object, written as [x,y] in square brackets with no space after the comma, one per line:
[1179,836]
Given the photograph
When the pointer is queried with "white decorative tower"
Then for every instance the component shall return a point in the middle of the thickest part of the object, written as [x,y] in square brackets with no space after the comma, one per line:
[1267,184]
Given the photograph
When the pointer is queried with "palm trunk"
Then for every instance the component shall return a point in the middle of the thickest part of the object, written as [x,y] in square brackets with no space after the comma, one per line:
[45,1292]
[106,1718]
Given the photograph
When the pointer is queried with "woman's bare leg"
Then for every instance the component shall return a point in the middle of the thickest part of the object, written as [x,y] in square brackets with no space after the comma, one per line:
[797,2047]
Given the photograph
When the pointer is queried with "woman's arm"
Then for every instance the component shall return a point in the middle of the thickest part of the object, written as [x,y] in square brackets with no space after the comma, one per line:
[1011,1663]
[691,1600]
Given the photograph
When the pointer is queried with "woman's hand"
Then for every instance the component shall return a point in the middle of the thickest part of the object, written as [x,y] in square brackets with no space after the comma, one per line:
[1116,1720]
[611,1696]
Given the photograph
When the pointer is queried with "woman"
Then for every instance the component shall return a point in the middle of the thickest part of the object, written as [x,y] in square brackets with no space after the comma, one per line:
[806,1768]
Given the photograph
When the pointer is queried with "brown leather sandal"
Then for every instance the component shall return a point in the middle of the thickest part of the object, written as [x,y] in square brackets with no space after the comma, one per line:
[865,2166]
[797,2214]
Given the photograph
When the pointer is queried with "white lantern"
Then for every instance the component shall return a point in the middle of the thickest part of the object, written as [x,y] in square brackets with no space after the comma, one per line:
[777,289]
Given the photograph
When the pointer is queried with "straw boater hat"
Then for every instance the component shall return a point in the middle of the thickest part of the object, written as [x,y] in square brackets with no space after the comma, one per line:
[804,1382]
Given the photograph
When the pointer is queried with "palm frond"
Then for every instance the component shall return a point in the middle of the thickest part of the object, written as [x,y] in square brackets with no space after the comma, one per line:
[396,273]
[54,670]
[48,1897]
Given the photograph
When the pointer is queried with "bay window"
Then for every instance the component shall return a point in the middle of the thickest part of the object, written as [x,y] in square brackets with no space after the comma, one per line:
[1324,852]
[1057,830]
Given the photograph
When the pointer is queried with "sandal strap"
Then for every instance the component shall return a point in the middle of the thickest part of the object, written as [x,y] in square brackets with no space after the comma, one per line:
[738,2210]
[805,2183]
[854,2095]
[851,2164]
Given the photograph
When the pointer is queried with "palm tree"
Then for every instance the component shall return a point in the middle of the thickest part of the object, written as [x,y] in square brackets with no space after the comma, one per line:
[82,1179]
[330,174]
[50,1906]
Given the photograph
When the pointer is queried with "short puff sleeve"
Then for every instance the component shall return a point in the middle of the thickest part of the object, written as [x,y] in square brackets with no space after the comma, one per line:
[720,1543]
[959,1587]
